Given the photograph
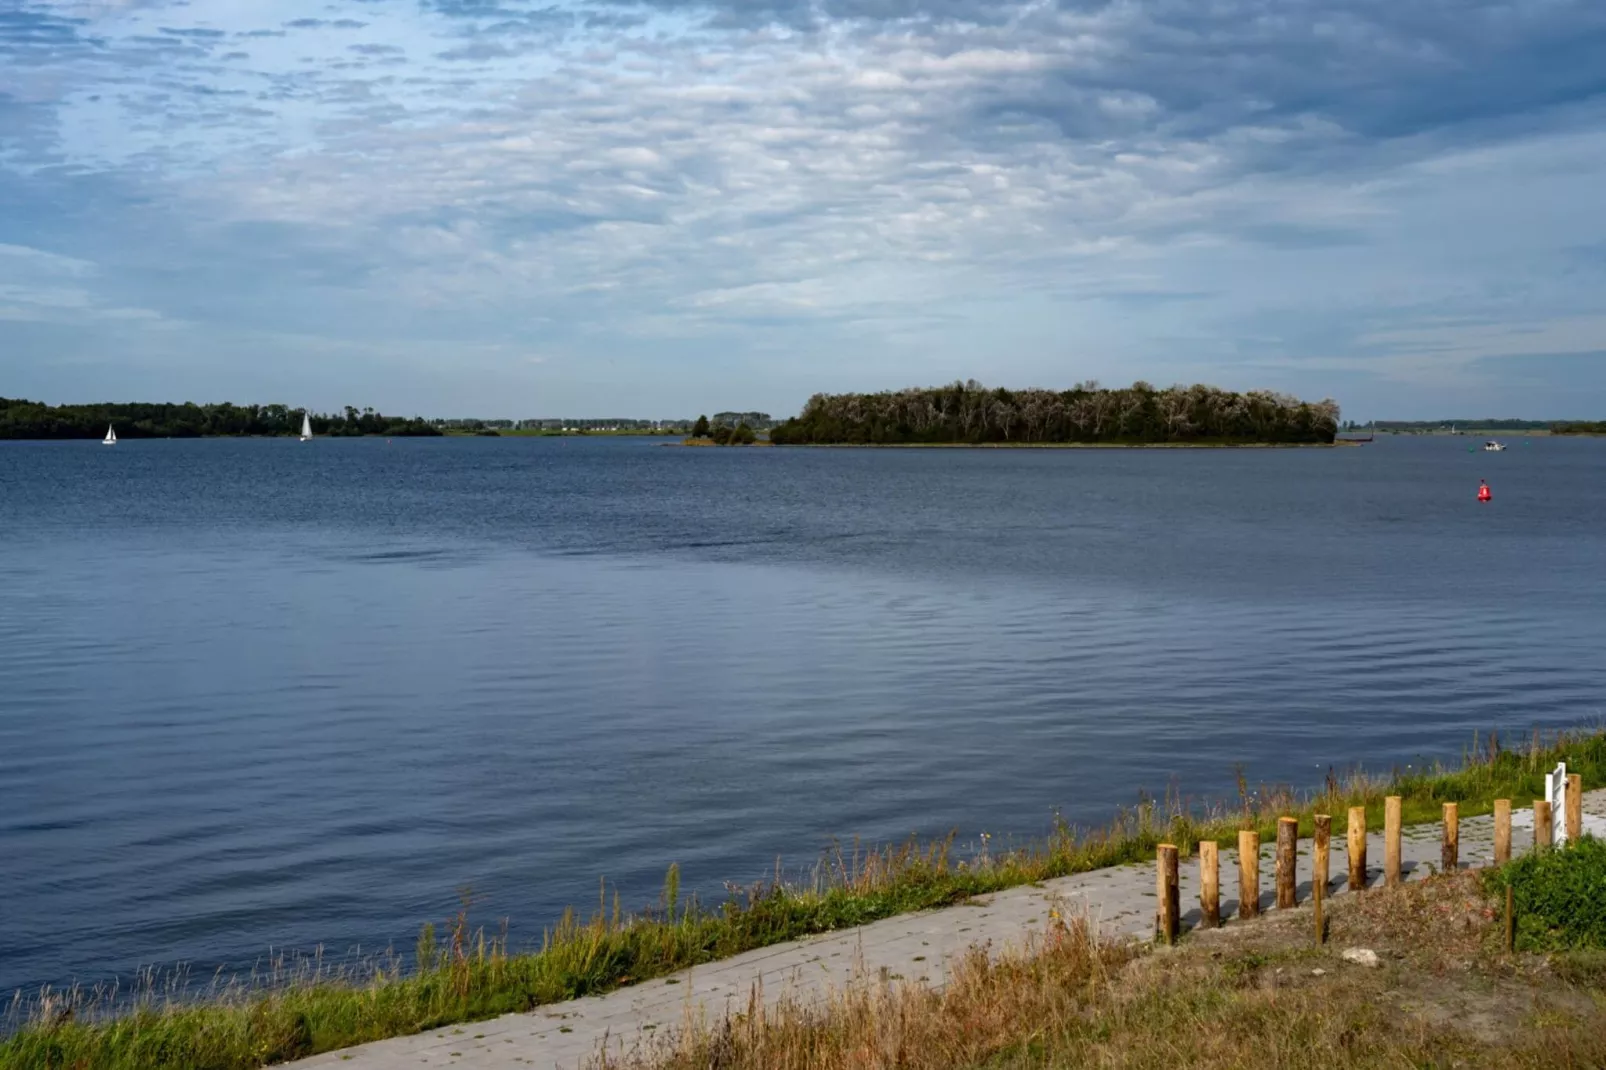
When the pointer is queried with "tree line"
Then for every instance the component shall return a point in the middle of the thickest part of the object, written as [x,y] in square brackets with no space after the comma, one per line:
[1443,425]
[1579,427]
[20,418]
[968,412]
[722,433]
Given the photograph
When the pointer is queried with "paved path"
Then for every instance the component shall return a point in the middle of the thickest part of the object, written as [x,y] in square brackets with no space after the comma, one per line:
[565,1036]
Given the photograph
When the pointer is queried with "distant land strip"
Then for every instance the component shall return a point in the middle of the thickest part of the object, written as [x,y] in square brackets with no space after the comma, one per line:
[1468,426]
[24,419]
[33,419]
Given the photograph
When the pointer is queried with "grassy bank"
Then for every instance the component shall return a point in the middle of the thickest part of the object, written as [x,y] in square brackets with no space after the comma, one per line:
[464,974]
[1443,994]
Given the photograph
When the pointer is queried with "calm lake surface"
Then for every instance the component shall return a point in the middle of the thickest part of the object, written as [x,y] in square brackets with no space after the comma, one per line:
[262,694]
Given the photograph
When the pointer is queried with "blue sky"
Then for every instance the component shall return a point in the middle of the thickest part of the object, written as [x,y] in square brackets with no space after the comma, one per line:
[657,208]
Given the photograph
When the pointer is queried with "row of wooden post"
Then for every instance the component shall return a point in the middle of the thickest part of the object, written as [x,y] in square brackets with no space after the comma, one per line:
[1167,884]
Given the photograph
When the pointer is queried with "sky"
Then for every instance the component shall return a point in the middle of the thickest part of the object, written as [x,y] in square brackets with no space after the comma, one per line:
[654,208]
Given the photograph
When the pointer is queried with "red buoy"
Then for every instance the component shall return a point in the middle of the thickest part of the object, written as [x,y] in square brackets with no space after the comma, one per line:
[1484,493]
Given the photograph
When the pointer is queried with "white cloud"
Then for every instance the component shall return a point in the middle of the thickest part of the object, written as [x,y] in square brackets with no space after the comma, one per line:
[707,166]
[37,286]
[22,261]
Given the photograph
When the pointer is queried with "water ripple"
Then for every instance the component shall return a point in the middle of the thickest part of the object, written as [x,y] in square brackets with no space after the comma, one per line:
[257,698]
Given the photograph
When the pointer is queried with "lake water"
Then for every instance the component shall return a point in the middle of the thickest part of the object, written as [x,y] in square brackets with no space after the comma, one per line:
[262,694]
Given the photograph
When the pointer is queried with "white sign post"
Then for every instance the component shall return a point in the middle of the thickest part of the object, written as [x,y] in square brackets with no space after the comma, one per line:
[1556,796]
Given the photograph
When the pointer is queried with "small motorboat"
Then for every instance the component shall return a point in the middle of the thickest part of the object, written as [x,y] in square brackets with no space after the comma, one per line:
[1492,446]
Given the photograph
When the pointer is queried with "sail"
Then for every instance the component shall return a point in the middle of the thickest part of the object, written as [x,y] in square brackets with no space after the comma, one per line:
[306,425]
[111,435]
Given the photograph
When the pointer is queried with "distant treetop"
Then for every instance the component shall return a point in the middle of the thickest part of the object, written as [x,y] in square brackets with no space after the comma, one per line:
[758,420]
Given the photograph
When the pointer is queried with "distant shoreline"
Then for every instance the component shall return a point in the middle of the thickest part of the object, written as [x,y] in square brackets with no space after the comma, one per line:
[1050,445]
[1469,432]
[530,432]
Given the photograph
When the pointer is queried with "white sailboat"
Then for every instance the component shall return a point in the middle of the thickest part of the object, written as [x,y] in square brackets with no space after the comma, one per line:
[306,427]
[111,436]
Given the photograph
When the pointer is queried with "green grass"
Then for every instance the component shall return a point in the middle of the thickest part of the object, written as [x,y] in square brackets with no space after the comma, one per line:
[1559,897]
[466,975]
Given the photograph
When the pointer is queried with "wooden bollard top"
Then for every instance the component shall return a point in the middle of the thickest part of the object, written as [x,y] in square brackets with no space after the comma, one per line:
[1248,873]
[1391,840]
[1450,859]
[1169,912]
[1209,883]
[1287,853]
[1542,823]
[1502,831]
[1357,848]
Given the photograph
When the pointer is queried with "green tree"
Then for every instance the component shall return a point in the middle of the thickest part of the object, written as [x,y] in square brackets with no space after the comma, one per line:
[968,412]
[701,428]
[743,435]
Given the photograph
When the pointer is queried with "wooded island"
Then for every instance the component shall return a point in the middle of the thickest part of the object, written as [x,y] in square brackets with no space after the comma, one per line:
[971,414]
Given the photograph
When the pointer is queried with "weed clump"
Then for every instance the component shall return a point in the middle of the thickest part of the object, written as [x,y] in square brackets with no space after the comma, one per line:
[1559,896]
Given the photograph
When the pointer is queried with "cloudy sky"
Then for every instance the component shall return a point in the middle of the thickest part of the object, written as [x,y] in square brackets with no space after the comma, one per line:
[660,207]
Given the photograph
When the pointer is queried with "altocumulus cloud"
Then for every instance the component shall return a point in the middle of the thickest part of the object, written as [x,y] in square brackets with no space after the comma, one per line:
[681,204]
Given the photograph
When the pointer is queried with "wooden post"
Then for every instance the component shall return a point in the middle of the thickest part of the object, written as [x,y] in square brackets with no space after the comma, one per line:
[1357,848]
[1575,808]
[1166,890]
[1209,884]
[1391,841]
[1450,855]
[1321,841]
[1542,829]
[1319,892]
[1511,921]
[1502,831]
[1287,854]
[1319,852]
[1249,874]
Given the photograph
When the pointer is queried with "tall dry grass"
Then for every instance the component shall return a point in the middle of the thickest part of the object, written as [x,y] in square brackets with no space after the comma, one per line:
[986,1006]
[1271,1001]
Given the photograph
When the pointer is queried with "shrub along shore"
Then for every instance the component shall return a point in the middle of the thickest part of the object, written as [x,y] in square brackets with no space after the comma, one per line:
[464,974]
